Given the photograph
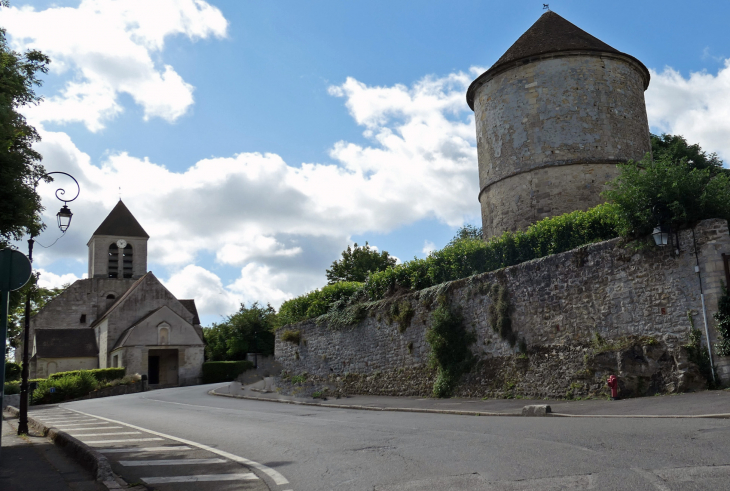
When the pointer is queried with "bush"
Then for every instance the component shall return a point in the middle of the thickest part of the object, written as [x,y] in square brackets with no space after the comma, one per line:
[291,336]
[315,303]
[249,329]
[70,386]
[450,353]
[224,371]
[13,371]
[100,374]
[671,192]
[11,388]
[470,256]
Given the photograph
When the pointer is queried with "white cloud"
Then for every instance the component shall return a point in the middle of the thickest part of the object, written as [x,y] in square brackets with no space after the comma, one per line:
[108,47]
[428,247]
[284,225]
[52,280]
[697,107]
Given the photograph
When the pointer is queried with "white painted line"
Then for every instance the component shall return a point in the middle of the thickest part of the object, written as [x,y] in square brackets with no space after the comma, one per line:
[145,449]
[87,428]
[276,476]
[108,434]
[97,442]
[67,421]
[139,463]
[250,476]
[85,425]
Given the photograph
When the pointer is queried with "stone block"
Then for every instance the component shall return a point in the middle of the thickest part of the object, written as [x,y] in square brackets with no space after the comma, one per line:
[536,410]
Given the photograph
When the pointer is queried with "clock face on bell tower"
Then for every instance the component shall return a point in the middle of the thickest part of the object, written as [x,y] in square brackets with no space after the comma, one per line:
[121,243]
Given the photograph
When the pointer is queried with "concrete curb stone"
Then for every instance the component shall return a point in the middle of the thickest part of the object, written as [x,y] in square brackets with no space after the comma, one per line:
[82,453]
[540,410]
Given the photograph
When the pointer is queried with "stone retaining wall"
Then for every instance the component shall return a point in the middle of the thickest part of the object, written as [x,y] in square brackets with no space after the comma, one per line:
[600,309]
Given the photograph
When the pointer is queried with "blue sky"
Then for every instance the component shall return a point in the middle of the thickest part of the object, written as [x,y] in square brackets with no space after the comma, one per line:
[255,140]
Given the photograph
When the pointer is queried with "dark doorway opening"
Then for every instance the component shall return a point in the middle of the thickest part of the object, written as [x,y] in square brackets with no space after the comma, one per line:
[153,370]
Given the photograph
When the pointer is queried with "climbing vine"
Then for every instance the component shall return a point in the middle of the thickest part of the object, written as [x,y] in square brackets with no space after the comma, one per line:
[722,320]
[450,353]
[499,316]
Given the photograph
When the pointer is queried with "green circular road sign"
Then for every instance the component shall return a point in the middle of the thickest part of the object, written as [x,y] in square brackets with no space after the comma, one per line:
[15,270]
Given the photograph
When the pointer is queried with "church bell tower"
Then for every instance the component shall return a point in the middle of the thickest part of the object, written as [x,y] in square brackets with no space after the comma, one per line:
[118,248]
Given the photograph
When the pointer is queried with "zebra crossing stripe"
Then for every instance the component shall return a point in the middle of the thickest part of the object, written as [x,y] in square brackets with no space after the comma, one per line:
[140,463]
[250,476]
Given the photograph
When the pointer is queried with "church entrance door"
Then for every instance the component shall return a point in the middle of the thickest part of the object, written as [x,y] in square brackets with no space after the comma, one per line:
[154,370]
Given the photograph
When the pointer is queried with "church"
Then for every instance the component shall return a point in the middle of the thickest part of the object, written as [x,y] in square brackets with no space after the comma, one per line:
[120,316]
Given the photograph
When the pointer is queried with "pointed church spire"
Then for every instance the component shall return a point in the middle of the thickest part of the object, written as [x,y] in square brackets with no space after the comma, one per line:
[121,222]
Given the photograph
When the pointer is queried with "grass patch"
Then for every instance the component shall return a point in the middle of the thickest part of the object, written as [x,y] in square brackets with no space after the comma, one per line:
[291,336]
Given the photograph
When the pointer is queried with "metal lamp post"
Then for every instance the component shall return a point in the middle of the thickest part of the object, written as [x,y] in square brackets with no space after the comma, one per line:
[64,220]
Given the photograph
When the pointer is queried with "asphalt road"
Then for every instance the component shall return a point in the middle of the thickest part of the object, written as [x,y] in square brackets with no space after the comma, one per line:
[322,448]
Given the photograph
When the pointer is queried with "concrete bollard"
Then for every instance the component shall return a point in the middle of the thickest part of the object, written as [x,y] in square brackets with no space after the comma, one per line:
[235,388]
[537,410]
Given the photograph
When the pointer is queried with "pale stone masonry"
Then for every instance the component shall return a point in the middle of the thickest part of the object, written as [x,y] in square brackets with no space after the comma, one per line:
[554,116]
[131,319]
[559,303]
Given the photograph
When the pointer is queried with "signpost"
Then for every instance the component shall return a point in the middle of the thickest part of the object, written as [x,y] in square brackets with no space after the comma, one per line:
[15,270]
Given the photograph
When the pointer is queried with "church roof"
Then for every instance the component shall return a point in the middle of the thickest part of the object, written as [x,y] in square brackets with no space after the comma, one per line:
[65,343]
[550,34]
[190,305]
[120,221]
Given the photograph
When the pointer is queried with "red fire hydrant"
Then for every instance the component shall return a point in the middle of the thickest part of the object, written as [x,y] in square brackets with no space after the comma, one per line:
[613,384]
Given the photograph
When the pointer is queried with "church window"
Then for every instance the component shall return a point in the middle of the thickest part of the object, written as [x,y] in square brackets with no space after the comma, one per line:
[113,261]
[127,261]
[110,300]
[82,320]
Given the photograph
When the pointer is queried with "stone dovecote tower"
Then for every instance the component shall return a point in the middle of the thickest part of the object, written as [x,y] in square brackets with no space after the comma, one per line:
[554,115]
[118,248]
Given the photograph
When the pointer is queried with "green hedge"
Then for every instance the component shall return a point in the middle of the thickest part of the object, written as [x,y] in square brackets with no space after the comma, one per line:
[11,388]
[100,374]
[315,303]
[460,259]
[72,385]
[12,371]
[468,257]
[223,371]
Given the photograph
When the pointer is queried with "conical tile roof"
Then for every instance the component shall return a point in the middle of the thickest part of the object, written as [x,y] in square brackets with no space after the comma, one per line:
[121,222]
[550,34]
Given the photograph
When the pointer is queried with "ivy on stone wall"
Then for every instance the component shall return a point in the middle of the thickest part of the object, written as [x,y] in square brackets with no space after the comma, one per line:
[450,353]
[722,320]
[499,314]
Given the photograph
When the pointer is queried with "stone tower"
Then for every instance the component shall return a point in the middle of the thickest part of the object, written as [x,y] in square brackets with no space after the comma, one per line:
[118,248]
[554,115]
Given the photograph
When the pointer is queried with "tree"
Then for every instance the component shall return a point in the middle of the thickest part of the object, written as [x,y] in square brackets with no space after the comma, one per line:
[20,165]
[676,148]
[667,191]
[468,231]
[248,329]
[357,263]
[16,318]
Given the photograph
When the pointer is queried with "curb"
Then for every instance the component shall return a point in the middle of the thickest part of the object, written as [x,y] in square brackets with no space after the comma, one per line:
[82,453]
[471,413]
[368,408]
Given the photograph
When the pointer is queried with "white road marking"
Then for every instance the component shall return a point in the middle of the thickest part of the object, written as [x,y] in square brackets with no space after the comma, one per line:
[87,428]
[97,442]
[139,463]
[108,434]
[82,424]
[250,476]
[144,449]
[66,420]
[276,476]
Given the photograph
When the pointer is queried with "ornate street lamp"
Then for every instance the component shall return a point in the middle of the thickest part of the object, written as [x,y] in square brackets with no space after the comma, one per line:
[661,234]
[64,220]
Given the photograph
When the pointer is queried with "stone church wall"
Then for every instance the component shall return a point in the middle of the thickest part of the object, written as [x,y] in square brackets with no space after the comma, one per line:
[638,302]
